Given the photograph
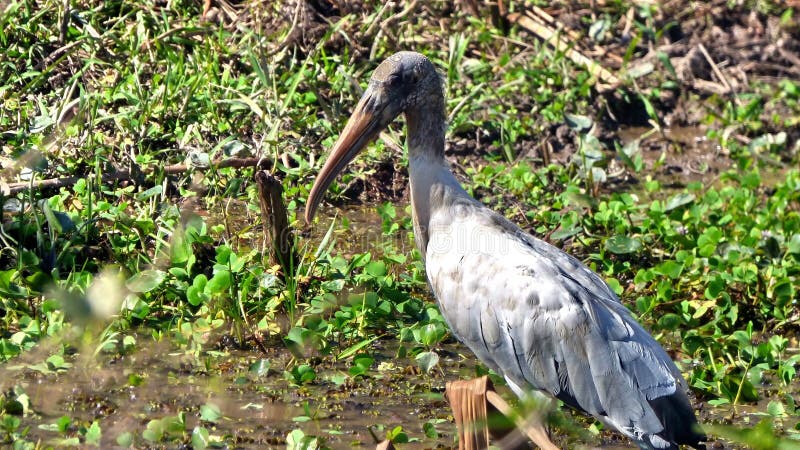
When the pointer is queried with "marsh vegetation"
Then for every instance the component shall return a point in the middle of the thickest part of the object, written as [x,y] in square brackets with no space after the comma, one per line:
[138,303]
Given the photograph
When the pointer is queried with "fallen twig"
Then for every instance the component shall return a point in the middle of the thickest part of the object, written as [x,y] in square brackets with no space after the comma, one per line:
[552,37]
[715,68]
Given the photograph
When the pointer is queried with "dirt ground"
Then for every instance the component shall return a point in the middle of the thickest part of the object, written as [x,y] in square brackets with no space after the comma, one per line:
[718,50]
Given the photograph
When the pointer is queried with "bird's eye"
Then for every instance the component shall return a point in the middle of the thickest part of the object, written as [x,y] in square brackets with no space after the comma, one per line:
[393,80]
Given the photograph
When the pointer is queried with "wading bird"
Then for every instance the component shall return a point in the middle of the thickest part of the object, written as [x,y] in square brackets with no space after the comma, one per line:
[532,313]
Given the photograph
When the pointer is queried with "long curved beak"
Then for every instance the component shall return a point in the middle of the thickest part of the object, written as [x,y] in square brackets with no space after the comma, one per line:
[364,125]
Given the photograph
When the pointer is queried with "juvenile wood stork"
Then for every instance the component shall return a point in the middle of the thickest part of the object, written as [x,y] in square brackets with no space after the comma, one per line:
[532,313]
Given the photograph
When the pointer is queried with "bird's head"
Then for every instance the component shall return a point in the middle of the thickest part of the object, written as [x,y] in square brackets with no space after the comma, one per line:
[403,81]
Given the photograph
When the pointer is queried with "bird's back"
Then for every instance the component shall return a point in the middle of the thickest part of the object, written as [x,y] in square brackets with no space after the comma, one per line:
[543,320]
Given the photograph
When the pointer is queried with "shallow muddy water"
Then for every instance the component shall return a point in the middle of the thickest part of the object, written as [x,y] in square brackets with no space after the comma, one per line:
[257,411]
[159,380]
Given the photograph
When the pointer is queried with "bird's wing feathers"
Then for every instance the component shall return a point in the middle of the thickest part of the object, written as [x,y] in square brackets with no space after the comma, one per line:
[541,318]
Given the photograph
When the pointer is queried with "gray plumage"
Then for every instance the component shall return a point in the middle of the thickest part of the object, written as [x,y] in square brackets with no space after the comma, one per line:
[532,313]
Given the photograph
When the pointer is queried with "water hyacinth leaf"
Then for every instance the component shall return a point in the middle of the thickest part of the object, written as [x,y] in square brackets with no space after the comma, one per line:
[146,280]
[15,407]
[180,249]
[397,435]
[333,285]
[41,123]
[210,412]
[430,430]
[564,233]
[154,431]
[613,283]
[578,122]
[707,242]
[361,365]
[219,283]
[10,423]
[375,268]
[260,368]
[670,268]
[200,438]
[297,440]
[776,409]
[793,246]
[598,175]
[303,374]
[198,160]
[678,200]
[783,292]
[427,360]
[195,293]
[9,287]
[236,148]
[591,150]
[431,334]
[175,425]
[93,434]
[125,439]
[620,244]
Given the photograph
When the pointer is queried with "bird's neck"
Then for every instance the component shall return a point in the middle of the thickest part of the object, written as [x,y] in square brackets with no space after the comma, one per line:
[426,128]
[432,184]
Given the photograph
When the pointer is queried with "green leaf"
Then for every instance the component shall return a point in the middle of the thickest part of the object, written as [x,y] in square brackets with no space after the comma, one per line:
[427,360]
[174,425]
[663,58]
[776,409]
[620,244]
[210,412]
[94,434]
[61,425]
[219,283]
[297,440]
[431,334]
[430,430]
[180,248]
[678,200]
[375,268]
[669,268]
[260,368]
[578,122]
[793,246]
[125,439]
[196,296]
[154,431]
[563,233]
[146,280]
[200,438]
[707,242]
[353,349]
